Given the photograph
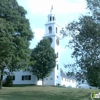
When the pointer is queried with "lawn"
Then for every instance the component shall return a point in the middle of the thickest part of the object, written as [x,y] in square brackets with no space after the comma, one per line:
[44,93]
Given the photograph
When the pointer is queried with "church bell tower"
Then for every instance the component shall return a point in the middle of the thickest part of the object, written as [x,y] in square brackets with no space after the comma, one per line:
[52,32]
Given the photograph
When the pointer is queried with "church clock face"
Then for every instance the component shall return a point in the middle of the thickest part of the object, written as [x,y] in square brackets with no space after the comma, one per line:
[57,41]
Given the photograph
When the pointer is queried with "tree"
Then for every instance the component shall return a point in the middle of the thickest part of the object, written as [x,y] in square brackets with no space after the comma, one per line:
[94,6]
[45,59]
[15,34]
[93,76]
[85,35]
[8,82]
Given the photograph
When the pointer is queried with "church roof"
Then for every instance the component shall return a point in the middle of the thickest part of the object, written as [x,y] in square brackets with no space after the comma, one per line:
[64,75]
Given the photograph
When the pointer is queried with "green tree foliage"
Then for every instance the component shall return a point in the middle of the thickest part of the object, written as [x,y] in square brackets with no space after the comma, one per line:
[94,7]
[45,59]
[93,76]
[15,34]
[8,82]
[85,35]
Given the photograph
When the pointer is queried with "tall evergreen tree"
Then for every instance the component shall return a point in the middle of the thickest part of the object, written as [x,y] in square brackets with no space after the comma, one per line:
[45,59]
[15,34]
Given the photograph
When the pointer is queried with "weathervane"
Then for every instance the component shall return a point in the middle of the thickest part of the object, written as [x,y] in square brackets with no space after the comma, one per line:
[51,9]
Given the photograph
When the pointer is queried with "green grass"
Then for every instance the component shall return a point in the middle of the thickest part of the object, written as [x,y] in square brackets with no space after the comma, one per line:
[44,93]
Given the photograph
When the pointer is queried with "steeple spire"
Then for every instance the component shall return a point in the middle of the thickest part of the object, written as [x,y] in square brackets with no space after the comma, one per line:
[51,11]
[51,15]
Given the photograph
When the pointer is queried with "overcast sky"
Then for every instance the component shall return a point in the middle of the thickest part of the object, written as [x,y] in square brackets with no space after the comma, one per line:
[65,11]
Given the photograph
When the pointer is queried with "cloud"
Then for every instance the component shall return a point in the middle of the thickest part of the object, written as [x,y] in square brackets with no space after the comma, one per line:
[39,33]
[60,6]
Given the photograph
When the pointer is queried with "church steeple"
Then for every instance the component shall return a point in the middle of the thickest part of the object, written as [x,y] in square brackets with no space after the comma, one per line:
[52,27]
[51,16]
[52,33]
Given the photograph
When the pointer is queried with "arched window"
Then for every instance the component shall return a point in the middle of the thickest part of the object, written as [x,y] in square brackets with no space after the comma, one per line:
[57,55]
[50,29]
[56,29]
[53,18]
[50,18]
[57,67]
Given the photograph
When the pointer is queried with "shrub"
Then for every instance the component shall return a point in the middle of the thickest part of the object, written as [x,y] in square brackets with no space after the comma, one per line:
[8,81]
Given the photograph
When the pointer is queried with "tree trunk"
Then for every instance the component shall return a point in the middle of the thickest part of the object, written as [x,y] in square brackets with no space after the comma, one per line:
[1,79]
[42,81]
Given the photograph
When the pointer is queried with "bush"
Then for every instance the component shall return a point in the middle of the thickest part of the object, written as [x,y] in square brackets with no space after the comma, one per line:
[8,81]
[58,84]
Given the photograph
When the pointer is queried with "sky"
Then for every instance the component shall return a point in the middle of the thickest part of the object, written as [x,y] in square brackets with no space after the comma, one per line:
[65,11]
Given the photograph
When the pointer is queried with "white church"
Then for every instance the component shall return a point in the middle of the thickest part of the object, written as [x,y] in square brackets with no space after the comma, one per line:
[57,76]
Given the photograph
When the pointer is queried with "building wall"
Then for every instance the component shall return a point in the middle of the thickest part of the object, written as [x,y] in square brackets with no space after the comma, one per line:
[50,80]
[18,78]
[68,82]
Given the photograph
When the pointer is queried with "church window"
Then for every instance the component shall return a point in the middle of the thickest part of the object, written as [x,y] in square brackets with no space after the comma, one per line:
[50,29]
[26,77]
[57,41]
[53,18]
[69,80]
[57,55]
[57,67]
[56,29]
[50,18]
[72,81]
